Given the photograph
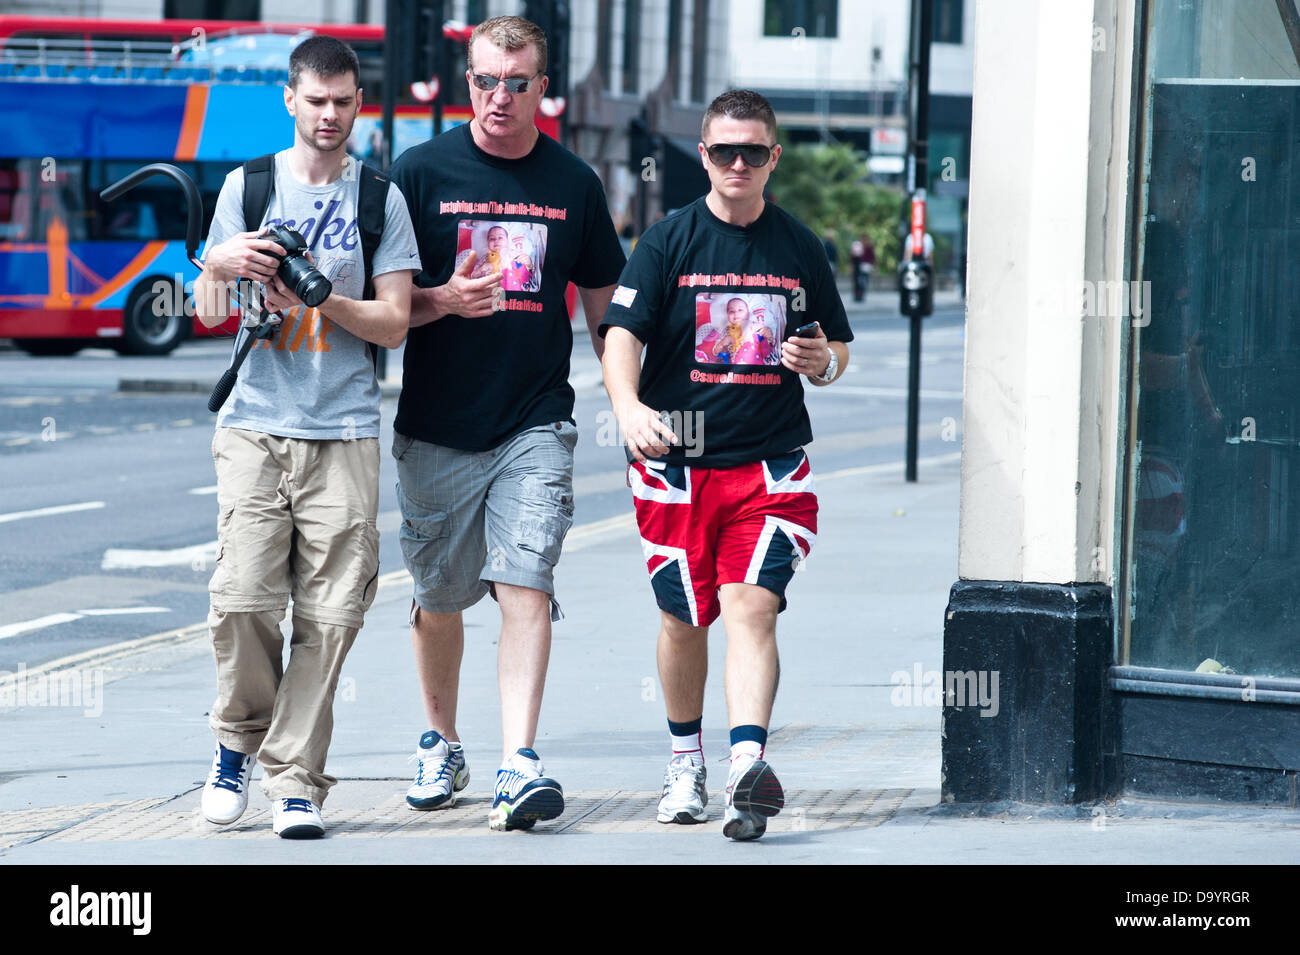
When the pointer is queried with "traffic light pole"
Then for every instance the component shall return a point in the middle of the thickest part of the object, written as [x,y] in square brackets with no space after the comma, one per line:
[922,22]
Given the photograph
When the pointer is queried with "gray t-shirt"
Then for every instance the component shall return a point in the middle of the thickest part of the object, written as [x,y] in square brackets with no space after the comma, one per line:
[314,379]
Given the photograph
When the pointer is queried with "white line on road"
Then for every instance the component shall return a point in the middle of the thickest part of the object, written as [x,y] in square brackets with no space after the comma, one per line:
[40,623]
[889,392]
[121,558]
[887,466]
[210,489]
[114,611]
[45,511]
[54,619]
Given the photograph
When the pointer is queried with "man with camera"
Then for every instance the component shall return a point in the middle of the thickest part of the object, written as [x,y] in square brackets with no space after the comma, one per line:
[484,436]
[725,524]
[297,443]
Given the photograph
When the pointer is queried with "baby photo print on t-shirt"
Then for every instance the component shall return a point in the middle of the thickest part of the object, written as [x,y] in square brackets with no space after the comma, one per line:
[739,328]
[514,250]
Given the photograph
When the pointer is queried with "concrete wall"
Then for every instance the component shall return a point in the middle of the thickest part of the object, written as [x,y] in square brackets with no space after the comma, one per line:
[1047,212]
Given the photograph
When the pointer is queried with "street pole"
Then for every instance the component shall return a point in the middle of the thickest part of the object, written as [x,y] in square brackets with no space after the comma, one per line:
[922,23]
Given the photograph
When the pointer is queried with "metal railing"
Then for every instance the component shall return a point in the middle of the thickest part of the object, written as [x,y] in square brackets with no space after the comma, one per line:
[122,61]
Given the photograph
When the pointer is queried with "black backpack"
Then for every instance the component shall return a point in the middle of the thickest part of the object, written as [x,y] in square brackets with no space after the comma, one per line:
[259,176]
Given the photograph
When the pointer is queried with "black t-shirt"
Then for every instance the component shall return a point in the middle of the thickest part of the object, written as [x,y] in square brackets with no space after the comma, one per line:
[712,302]
[542,221]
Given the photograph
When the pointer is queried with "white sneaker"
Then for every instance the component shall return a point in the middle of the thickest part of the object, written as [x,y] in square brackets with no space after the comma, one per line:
[523,794]
[296,819]
[684,796]
[440,774]
[225,795]
[753,794]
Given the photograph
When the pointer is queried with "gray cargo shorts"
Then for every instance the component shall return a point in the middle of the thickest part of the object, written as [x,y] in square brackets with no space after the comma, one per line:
[474,518]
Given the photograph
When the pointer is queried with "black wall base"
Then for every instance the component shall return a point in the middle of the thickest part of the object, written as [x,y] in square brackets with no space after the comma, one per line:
[1044,729]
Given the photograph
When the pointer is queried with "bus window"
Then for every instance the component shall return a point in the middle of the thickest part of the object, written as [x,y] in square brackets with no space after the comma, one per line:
[58,199]
[15,200]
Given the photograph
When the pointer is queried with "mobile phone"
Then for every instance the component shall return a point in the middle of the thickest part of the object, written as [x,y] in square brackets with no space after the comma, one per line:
[805,331]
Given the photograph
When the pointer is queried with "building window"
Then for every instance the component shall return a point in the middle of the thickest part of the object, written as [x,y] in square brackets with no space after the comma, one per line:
[947,21]
[604,44]
[819,18]
[212,9]
[631,46]
[1213,453]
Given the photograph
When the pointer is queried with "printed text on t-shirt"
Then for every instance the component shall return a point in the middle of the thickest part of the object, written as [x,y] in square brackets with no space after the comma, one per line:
[502,209]
[769,280]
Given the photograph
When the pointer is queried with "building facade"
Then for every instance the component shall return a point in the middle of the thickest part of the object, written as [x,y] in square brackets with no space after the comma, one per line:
[1127,538]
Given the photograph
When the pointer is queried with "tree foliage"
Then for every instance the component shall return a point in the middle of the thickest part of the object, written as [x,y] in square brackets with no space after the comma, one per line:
[827,186]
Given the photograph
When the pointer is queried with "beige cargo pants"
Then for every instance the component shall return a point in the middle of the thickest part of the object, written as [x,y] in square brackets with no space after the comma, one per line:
[297,518]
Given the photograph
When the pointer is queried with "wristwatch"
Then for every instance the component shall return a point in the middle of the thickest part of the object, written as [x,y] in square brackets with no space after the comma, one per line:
[827,376]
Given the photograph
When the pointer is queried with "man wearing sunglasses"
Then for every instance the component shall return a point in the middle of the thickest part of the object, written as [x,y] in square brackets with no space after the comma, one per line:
[725,523]
[484,432]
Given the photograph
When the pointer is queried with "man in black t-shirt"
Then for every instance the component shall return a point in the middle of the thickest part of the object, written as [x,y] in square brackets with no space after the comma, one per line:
[505,218]
[733,300]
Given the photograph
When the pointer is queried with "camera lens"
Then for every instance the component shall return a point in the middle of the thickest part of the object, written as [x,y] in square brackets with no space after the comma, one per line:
[305,280]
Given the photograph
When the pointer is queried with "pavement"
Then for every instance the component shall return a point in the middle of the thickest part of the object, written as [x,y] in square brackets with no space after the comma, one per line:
[113,773]
[103,755]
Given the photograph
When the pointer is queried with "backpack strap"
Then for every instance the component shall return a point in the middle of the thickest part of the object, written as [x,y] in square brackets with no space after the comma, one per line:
[371,205]
[259,175]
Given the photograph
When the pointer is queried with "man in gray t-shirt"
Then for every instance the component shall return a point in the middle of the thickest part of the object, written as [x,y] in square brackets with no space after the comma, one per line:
[297,452]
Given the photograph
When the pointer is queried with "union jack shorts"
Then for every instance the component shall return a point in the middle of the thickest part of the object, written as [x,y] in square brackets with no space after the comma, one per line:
[705,527]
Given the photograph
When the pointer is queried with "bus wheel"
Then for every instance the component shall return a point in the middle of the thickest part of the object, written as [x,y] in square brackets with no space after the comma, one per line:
[49,347]
[150,330]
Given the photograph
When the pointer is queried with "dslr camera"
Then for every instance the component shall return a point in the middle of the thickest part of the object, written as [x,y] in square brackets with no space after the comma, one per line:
[294,270]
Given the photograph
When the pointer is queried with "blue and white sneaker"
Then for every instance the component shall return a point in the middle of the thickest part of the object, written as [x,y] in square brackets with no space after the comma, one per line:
[754,794]
[296,819]
[523,794]
[225,794]
[440,773]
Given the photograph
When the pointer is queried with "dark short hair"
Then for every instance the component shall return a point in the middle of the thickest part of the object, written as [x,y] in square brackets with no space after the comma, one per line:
[740,104]
[325,56]
[509,34]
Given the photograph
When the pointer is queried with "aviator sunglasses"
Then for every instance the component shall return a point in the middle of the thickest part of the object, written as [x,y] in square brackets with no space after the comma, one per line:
[755,155]
[513,84]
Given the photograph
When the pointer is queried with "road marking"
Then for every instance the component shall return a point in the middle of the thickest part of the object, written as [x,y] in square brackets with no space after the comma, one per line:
[101,429]
[886,467]
[210,489]
[146,426]
[114,611]
[26,401]
[609,525]
[45,511]
[40,623]
[183,423]
[54,619]
[122,558]
[15,442]
[870,392]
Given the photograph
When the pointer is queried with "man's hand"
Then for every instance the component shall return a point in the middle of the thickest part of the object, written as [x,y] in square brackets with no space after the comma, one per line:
[280,298]
[646,433]
[467,297]
[243,256]
[807,356]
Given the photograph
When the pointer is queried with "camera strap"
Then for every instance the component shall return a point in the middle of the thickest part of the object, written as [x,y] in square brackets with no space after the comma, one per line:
[372,198]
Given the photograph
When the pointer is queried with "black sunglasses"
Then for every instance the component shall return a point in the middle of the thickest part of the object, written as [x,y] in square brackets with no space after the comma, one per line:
[755,155]
[513,83]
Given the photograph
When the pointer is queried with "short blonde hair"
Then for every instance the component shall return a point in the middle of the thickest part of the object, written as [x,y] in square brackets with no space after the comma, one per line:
[509,34]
